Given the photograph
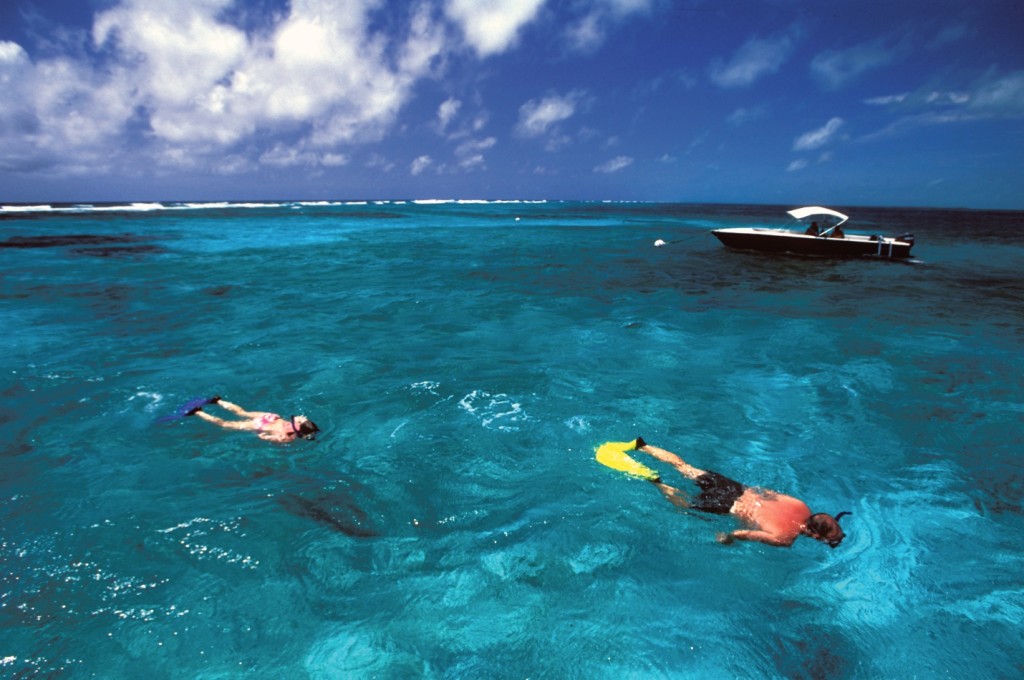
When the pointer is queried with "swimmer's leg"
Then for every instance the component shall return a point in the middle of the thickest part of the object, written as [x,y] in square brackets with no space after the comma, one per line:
[673,495]
[238,410]
[226,424]
[684,468]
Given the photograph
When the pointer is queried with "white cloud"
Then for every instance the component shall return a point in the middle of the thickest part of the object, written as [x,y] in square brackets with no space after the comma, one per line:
[179,76]
[472,162]
[614,165]
[492,26]
[420,164]
[887,99]
[181,48]
[834,68]
[756,58]
[538,116]
[992,96]
[283,156]
[666,82]
[11,53]
[328,67]
[999,96]
[557,141]
[379,162]
[475,146]
[585,34]
[424,43]
[950,35]
[446,112]
[234,165]
[590,31]
[818,138]
[470,153]
[796,165]
[744,115]
[624,7]
[334,160]
[61,108]
[470,150]
[947,98]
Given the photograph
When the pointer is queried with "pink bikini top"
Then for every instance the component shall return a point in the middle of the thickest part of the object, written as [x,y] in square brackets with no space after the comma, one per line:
[265,420]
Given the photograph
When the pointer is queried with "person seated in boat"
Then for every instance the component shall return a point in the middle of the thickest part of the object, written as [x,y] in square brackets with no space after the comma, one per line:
[838,232]
[772,518]
[268,426]
[812,230]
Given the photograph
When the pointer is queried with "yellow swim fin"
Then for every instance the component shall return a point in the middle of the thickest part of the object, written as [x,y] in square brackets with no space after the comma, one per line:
[613,455]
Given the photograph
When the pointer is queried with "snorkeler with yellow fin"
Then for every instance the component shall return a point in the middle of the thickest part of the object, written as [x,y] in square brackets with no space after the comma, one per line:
[613,455]
[770,517]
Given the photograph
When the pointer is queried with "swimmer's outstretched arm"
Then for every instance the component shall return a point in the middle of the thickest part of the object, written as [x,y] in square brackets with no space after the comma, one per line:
[227,424]
[752,535]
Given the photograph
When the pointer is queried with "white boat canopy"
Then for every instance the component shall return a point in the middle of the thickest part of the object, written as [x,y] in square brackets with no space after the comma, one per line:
[801,213]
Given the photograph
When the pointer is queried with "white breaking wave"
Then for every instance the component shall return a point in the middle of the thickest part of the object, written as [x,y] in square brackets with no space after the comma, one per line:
[26,208]
[229,205]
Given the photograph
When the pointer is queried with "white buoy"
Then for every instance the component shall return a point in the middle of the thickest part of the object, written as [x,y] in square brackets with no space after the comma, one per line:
[659,243]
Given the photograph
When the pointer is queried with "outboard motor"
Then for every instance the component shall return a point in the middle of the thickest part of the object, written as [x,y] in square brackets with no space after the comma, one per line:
[906,238]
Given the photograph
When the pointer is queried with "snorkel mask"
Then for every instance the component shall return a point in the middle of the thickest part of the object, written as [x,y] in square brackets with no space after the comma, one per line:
[833,542]
[306,430]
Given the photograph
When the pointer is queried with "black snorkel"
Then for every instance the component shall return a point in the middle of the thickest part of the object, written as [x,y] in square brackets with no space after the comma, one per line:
[309,434]
[835,542]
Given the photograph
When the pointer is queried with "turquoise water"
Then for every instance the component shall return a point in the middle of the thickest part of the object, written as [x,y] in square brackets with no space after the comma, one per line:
[463,361]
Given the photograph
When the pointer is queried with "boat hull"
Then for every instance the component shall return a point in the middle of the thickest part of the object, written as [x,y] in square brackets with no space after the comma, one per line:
[781,241]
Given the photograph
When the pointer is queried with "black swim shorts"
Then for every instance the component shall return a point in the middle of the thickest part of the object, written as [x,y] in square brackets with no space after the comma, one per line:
[717,493]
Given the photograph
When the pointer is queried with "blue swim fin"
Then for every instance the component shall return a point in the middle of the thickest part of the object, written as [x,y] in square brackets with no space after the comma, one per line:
[187,409]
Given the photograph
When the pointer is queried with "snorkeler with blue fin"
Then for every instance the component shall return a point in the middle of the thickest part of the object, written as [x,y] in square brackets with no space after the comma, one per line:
[772,518]
[268,426]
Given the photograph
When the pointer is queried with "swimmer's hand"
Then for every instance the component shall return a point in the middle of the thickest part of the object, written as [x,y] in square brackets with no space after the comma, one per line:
[724,538]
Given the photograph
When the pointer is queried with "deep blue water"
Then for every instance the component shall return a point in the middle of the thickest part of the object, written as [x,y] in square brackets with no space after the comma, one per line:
[463,361]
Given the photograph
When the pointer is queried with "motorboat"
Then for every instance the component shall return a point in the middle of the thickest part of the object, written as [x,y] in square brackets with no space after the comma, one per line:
[823,238]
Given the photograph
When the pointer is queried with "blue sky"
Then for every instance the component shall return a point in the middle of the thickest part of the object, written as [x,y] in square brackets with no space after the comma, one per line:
[834,102]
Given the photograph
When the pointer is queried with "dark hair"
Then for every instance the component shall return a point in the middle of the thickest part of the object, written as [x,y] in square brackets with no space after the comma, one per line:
[826,528]
[307,429]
